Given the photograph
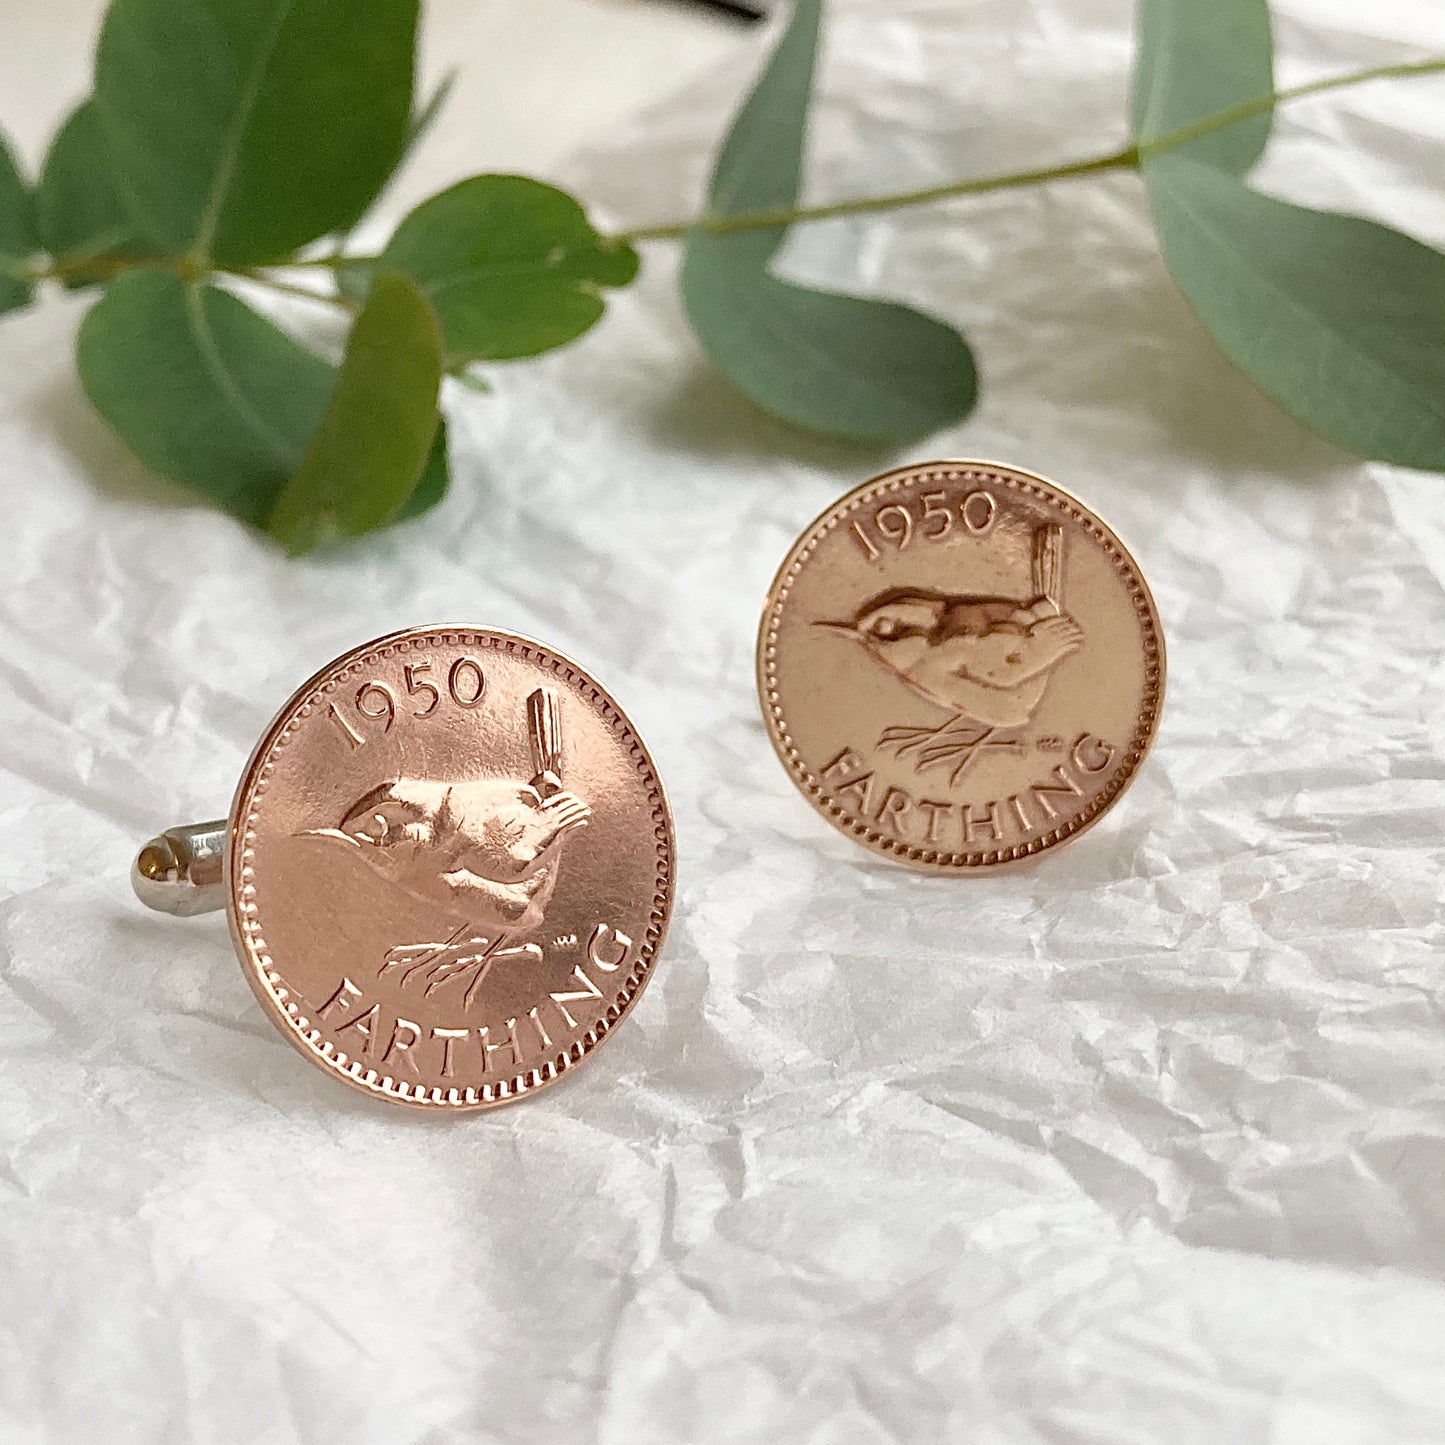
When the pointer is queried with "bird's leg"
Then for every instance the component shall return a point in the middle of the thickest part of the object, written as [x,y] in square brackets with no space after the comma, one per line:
[416,955]
[528,950]
[986,741]
[960,751]
[474,956]
[904,741]
[457,960]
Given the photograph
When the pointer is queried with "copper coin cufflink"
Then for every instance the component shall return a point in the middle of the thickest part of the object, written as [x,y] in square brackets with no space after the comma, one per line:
[448,868]
[960,665]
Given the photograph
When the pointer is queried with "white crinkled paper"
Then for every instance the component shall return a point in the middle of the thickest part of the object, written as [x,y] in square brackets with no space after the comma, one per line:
[1144,1145]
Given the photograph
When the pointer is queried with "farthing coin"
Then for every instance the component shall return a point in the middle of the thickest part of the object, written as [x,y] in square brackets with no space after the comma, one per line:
[960,665]
[450,867]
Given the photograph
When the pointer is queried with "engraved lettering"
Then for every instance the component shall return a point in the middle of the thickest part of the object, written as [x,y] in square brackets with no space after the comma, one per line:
[345,989]
[892,810]
[353,737]
[510,1042]
[448,1038]
[589,990]
[862,539]
[846,762]
[935,811]
[1019,813]
[540,1027]
[387,709]
[935,510]
[365,1025]
[602,938]
[1044,792]
[416,689]
[466,682]
[895,523]
[857,785]
[1092,754]
[978,510]
[402,1046]
[985,819]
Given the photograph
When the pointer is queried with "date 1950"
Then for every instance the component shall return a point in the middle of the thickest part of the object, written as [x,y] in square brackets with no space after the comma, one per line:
[377,702]
[931,516]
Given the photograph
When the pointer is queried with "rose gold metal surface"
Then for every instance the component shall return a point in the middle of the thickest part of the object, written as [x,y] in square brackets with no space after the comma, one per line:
[960,665]
[448,867]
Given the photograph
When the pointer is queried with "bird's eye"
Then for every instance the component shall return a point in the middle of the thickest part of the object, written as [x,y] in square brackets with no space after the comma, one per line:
[375,829]
[890,629]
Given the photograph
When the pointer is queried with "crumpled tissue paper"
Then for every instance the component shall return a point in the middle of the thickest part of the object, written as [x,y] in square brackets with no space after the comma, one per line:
[1145,1143]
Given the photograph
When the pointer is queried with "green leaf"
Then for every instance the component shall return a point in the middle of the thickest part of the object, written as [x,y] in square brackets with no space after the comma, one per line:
[208,393]
[871,371]
[372,444]
[243,129]
[513,267]
[431,487]
[868,371]
[1341,320]
[1196,60]
[17,234]
[201,388]
[353,282]
[79,213]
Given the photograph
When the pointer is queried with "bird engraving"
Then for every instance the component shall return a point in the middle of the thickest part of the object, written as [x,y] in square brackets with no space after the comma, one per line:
[485,854]
[985,660]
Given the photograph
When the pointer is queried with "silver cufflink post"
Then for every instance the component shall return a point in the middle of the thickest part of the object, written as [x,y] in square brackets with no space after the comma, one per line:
[179,871]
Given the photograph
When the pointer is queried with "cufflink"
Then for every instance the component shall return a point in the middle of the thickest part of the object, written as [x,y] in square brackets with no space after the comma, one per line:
[448,867]
[960,665]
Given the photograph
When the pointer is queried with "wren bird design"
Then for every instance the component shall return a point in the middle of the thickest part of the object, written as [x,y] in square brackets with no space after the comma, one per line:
[985,660]
[484,854]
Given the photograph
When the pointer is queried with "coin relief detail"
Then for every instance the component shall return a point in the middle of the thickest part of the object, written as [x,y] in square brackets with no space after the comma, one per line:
[451,869]
[960,665]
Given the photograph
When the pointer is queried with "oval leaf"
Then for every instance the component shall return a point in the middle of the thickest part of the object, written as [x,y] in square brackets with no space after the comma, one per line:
[866,370]
[512,267]
[17,234]
[1339,319]
[1196,60]
[79,214]
[243,129]
[201,388]
[374,440]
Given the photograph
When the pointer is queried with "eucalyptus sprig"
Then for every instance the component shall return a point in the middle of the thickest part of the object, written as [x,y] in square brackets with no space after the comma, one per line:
[228,147]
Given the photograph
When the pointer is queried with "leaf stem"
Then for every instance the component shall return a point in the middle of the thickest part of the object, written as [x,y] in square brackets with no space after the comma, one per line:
[259,277]
[1248,109]
[770,220]
[106,268]
[334,261]
[1127,158]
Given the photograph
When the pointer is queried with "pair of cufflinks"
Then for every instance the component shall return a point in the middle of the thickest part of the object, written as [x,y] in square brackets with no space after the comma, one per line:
[449,865]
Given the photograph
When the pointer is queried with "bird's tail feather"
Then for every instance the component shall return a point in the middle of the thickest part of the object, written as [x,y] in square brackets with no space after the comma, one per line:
[544,725]
[1048,564]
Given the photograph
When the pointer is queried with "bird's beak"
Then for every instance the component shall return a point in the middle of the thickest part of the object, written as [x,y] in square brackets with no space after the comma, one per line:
[844,627]
[335,833]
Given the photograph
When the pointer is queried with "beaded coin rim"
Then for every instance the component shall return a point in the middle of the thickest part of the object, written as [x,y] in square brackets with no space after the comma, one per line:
[1018,480]
[247,930]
